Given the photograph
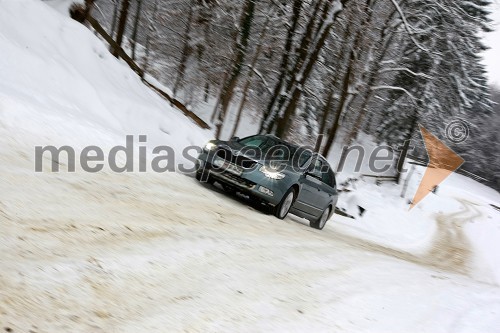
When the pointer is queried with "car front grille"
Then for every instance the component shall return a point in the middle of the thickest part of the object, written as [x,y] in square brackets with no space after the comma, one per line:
[235,179]
[240,160]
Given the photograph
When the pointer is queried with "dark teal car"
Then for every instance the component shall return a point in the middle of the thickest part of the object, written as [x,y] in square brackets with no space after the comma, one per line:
[286,177]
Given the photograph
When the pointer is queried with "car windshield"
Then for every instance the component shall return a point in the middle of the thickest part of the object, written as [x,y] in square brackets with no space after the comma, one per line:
[261,142]
[273,149]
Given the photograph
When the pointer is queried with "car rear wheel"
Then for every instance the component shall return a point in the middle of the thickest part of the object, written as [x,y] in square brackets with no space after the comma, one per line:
[321,221]
[282,209]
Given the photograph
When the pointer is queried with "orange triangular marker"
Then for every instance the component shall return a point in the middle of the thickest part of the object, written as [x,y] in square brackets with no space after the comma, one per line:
[442,162]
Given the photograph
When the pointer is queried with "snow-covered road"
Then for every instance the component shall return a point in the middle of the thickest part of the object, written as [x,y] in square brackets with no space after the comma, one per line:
[160,253]
[147,252]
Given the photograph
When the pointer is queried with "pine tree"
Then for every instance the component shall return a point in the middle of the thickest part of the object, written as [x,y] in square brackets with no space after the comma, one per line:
[443,76]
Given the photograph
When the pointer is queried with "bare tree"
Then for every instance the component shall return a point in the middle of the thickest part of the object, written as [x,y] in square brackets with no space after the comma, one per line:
[114,20]
[237,64]
[186,50]
[121,26]
[136,27]
[248,81]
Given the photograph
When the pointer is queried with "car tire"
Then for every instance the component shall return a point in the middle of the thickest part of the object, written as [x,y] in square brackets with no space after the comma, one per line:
[204,177]
[321,221]
[228,189]
[281,210]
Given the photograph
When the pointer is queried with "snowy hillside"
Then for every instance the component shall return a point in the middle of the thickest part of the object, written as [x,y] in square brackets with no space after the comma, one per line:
[73,90]
[150,252]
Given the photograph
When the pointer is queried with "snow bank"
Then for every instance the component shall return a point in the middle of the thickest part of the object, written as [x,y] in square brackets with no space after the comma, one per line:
[460,212]
[60,81]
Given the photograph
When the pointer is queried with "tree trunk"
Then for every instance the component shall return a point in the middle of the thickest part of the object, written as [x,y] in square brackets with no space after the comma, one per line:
[313,40]
[207,91]
[406,146]
[373,76]
[242,106]
[241,49]
[347,83]
[249,77]
[401,161]
[324,120]
[333,130]
[304,68]
[217,103]
[297,8]
[115,18]
[185,52]
[289,73]
[151,30]
[121,26]
[136,28]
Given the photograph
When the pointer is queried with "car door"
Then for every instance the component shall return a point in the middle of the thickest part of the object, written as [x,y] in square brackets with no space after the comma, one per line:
[328,187]
[310,199]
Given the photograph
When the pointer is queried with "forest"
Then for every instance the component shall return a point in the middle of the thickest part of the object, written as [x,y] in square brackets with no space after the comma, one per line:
[322,72]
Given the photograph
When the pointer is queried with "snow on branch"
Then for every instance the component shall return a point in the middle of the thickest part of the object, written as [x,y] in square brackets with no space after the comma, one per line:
[261,77]
[407,26]
[395,88]
[402,69]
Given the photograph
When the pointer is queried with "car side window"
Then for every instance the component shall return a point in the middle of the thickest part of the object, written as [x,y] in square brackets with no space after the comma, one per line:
[325,174]
[304,157]
[316,168]
[333,183]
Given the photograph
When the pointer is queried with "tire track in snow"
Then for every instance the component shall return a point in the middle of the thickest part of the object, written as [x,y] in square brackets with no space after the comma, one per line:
[451,247]
[450,250]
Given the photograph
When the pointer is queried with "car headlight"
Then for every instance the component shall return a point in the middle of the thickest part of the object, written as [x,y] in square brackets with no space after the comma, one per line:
[271,173]
[210,146]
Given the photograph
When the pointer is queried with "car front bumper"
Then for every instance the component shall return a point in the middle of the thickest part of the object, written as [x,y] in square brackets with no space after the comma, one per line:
[251,181]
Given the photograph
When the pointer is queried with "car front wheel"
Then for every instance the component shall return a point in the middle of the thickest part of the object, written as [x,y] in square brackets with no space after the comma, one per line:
[321,221]
[204,177]
[282,209]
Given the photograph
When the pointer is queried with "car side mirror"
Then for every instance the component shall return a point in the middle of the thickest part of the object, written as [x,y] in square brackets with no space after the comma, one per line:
[235,138]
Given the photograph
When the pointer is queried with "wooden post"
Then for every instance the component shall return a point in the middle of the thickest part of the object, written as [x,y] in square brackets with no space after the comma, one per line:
[401,160]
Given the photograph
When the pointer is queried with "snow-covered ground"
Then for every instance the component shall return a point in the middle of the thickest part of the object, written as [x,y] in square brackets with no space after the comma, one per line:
[149,252]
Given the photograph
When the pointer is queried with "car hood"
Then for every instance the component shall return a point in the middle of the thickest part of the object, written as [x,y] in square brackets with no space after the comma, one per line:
[238,149]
